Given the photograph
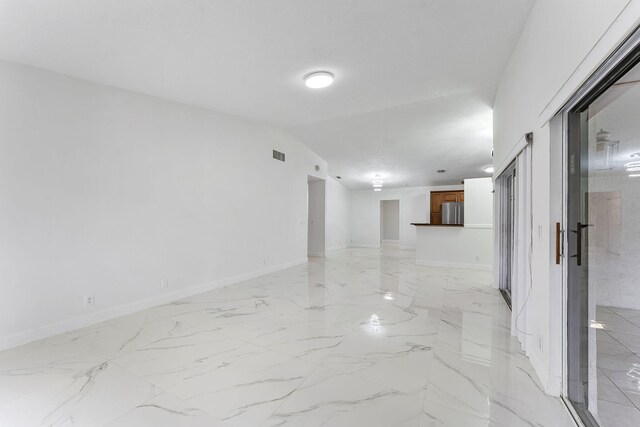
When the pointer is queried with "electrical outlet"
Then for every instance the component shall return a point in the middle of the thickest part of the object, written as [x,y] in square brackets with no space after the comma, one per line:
[89,300]
[165,283]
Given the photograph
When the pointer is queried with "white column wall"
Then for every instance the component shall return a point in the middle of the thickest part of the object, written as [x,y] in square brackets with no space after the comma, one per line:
[337,215]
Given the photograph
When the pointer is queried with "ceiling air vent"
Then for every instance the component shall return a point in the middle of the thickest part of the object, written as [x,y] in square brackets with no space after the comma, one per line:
[278,155]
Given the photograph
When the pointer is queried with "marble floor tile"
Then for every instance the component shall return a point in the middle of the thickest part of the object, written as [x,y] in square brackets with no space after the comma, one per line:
[179,355]
[245,395]
[31,367]
[92,398]
[618,362]
[307,339]
[614,415]
[119,336]
[330,398]
[364,337]
[166,410]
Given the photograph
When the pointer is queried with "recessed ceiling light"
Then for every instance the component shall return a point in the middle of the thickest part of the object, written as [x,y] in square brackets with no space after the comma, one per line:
[318,79]
[377,189]
[489,169]
[377,185]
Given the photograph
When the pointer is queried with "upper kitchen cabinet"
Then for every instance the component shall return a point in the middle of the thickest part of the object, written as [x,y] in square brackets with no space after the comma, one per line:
[440,197]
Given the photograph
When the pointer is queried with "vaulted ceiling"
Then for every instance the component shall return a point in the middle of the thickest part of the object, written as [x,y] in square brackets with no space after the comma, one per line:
[414,79]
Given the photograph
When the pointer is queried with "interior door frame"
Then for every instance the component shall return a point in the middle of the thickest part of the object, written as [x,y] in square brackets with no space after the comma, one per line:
[613,67]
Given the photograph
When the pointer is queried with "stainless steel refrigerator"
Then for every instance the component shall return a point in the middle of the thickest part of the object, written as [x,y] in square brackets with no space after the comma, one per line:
[453,213]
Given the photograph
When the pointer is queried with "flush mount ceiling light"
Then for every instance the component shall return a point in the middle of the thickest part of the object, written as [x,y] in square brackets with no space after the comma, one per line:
[318,79]
[377,185]
[377,189]
[489,169]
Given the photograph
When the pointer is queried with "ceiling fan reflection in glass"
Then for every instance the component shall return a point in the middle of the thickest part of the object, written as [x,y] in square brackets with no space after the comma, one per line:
[606,151]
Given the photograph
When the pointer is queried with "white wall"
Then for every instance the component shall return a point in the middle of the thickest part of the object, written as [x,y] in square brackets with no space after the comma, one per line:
[109,192]
[337,215]
[390,219]
[316,221]
[478,202]
[559,48]
[364,213]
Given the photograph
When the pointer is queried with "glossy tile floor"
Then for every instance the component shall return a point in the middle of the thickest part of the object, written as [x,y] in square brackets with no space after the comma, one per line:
[618,362]
[363,338]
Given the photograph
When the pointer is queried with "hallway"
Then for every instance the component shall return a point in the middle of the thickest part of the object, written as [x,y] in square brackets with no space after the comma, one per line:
[364,337]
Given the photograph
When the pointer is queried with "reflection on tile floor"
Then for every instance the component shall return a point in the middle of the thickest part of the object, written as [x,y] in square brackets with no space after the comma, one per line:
[362,338]
[618,362]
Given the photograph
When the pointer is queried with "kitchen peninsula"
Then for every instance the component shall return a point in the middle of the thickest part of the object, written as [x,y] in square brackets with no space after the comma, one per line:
[467,245]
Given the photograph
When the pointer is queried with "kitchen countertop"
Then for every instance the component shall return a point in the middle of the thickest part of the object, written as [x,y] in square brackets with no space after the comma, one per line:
[425,224]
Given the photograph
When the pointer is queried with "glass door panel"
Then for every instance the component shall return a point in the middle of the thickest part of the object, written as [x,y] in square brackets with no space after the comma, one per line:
[603,268]
[505,185]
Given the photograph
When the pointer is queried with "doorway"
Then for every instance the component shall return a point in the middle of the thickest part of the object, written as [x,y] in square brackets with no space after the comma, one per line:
[603,241]
[315,217]
[389,223]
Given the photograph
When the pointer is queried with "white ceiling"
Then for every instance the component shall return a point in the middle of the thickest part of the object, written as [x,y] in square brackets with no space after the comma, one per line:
[415,79]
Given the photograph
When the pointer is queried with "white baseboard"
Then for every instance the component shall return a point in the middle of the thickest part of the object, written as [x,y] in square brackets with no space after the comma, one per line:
[24,337]
[542,373]
[317,254]
[478,226]
[390,241]
[484,267]
[551,384]
[407,247]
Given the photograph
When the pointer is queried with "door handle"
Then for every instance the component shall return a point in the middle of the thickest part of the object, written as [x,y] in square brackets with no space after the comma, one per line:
[578,231]
[558,242]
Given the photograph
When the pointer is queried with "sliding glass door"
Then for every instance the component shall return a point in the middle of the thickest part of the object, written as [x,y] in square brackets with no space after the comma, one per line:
[603,264]
[505,193]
